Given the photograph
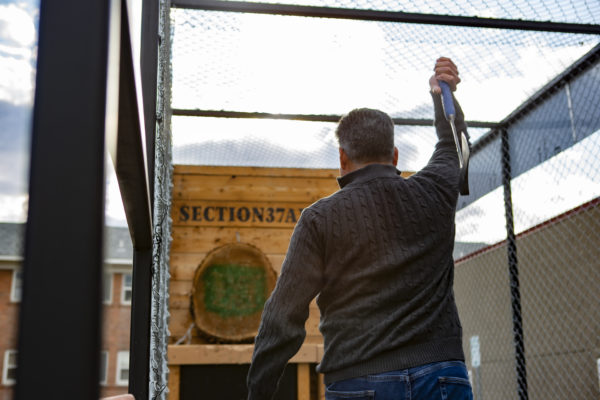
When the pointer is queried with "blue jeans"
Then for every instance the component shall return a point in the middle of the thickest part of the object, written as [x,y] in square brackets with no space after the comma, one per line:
[446,380]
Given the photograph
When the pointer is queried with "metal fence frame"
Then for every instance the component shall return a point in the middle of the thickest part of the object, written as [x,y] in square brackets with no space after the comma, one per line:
[498,129]
[99,102]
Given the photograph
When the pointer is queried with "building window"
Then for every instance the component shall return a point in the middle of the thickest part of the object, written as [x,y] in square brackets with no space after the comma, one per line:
[122,368]
[9,374]
[107,284]
[16,286]
[103,367]
[127,289]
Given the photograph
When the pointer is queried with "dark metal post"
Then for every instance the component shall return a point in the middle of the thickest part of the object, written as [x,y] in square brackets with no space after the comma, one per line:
[515,293]
[60,315]
[385,16]
[139,356]
[132,164]
[149,67]
[139,352]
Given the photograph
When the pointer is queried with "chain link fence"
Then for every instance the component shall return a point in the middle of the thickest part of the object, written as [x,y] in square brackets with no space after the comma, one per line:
[530,302]
[527,259]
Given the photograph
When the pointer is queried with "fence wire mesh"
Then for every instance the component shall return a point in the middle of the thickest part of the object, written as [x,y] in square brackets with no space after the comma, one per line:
[577,11]
[288,64]
[530,301]
[527,260]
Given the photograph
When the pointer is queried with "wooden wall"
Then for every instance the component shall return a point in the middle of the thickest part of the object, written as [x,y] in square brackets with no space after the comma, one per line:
[213,206]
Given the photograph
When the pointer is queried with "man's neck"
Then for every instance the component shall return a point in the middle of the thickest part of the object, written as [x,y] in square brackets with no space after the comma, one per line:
[351,166]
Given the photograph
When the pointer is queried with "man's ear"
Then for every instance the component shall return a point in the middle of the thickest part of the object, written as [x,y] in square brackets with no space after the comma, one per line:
[343,160]
[395,160]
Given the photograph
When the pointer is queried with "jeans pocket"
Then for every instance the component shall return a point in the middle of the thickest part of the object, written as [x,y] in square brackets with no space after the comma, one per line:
[453,388]
[354,395]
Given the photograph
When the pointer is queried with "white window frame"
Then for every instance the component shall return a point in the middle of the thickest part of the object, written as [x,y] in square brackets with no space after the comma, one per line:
[17,276]
[108,279]
[123,288]
[5,380]
[598,369]
[104,355]
[122,362]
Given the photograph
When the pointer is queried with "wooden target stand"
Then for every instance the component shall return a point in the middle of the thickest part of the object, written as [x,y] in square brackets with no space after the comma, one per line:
[231,230]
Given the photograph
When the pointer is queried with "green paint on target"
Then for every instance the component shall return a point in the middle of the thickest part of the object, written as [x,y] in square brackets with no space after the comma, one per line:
[233,290]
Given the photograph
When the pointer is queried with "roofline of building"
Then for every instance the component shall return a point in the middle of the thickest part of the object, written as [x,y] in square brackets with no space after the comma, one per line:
[10,258]
[552,221]
[118,261]
[110,261]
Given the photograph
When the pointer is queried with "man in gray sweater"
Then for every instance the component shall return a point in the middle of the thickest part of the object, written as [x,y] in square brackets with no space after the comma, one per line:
[378,253]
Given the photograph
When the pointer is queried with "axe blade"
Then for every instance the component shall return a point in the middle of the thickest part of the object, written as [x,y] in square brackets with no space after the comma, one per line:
[464,171]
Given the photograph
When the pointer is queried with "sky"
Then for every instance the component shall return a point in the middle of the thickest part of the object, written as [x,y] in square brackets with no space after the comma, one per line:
[253,69]
[18,51]
[18,37]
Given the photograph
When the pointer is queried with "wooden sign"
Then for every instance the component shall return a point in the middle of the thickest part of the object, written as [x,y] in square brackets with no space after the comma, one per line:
[216,207]
[219,213]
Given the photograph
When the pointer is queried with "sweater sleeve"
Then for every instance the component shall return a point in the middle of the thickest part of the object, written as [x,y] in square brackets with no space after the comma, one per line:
[443,165]
[281,331]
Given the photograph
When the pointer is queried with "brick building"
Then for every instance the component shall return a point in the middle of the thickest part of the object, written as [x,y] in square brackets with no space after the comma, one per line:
[117,308]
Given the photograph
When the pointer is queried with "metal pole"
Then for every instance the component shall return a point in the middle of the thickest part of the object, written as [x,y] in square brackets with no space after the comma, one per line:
[60,314]
[515,293]
[131,166]
[149,69]
[309,117]
[386,16]
[139,343]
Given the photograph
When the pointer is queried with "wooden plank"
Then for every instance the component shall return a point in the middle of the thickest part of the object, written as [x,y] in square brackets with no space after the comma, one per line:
[255,171]
[266,214]
[179,322]
[320,352]
[264,171]
[174,382]
[183,265]
[321,388]
[312,322]
[179,302]
[303,383]
[204,239]
[306,354]
[313,339]
[197,354]
[182,288]
[230,187]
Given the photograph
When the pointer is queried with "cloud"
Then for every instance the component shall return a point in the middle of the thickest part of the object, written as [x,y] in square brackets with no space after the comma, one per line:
[14,161]
[13,208]
[253,153]
[14,148]
[280,143]
[17,52]
[17,26]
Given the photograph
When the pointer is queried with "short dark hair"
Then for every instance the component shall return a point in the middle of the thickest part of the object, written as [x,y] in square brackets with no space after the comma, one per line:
[366,135]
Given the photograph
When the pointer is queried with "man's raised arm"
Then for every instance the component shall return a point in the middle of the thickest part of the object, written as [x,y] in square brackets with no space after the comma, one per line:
[444,161]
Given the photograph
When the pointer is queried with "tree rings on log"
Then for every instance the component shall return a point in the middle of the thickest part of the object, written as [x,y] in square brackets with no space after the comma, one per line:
[230,288]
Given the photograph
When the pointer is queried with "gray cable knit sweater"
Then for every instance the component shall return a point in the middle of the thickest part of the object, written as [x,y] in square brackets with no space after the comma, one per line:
[378,253]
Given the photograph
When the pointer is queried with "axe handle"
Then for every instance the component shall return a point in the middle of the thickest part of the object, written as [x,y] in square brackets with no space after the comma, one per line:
[447,101]
[450,113]
[448,106]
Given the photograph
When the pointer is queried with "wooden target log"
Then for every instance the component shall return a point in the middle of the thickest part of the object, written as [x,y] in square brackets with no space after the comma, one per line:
[230,288]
